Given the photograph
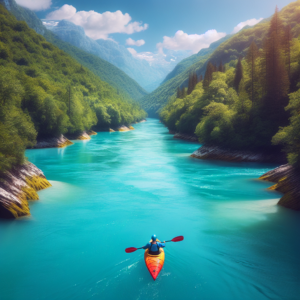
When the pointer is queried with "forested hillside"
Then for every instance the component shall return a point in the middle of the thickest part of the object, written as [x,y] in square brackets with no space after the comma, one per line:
[44,92]
[105,70]
[231,49]
[251,103]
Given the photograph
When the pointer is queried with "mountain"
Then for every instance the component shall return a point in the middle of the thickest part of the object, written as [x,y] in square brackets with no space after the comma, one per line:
[105,70]
[230,49]
[149,76]
[187,62]
[45,92]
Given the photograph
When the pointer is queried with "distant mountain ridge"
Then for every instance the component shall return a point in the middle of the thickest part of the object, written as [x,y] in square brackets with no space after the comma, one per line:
[187,62]
[148,76]
[105,70]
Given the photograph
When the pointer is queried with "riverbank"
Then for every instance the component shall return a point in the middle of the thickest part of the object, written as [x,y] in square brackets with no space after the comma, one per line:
[186,137]
[217,153]
[287,180]
[124,128]
[63,141]
[59,142]
[17,187]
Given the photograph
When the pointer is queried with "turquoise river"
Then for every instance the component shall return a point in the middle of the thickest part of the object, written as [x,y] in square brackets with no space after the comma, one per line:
[115,191]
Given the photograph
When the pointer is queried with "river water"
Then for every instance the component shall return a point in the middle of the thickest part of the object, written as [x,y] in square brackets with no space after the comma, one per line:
[115,191]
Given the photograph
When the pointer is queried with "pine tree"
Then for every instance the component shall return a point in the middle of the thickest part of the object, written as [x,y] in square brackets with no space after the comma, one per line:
[287,47]
[183,92]
[251,57]
[221,68]
[277,82]
[189,90]
[238,74]
[195,80]
[208,75]
[178,93]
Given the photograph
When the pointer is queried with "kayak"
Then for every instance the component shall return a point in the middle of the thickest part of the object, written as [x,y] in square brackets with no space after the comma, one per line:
[154,263]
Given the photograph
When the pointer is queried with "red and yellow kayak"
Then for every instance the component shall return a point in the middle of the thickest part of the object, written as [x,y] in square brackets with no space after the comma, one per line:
[154,263]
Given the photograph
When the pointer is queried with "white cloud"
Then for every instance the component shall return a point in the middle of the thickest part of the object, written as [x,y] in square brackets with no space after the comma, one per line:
[158,58]
[35,4]
[132,42]
[50,23]
[241,25]
[191,42]
[65,12]
[96,25]
[148,56]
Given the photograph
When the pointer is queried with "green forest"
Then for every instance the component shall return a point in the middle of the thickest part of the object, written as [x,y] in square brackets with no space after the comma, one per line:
[229,50]
[44,93]
[102,68]
[252,102]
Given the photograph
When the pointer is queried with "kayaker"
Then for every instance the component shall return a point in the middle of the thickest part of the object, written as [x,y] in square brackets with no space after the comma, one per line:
[154,246]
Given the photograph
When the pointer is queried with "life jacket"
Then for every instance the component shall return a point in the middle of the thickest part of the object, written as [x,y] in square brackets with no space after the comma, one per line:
[154,249]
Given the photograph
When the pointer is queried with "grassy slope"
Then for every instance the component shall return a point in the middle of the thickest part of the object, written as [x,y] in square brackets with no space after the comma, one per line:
[105,70]
[229,50]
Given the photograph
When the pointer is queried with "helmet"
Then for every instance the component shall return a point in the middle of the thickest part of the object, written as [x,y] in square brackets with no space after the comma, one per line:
[153,237]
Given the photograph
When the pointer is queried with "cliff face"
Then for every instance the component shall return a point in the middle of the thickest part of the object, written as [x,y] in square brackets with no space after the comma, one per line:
[287,180]
[17,187]
[216,153]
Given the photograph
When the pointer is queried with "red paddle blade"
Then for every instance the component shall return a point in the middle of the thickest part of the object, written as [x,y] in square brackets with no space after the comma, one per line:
[178,239]
[131,249]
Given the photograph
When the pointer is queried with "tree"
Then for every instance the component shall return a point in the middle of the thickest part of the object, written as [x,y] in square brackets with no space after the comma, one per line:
[183,92]
[190,84]
[238,74]
[277,82]
[208,75]
[287,47]
[251,57]
[221,67]
[178,93]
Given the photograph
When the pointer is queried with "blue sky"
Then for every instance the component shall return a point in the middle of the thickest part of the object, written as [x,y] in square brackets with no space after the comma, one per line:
[158,19]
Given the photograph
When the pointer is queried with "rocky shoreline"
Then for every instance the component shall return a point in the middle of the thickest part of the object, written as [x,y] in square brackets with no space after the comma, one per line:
[17,187]
[124,128]
[217,153]
[186,137]
[287,180]
[62,141]
[59,142]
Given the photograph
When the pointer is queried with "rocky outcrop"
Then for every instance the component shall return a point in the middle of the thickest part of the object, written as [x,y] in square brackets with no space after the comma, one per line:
[123,128]
[17,187]
[59,142]
[91,132]
[186,137]
[217,153]
[142,121]
[79,136]
[287,180]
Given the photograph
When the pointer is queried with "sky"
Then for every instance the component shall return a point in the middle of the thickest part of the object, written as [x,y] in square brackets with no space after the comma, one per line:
[157,26]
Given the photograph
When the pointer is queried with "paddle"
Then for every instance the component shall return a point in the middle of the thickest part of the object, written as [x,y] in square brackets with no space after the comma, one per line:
[175,239]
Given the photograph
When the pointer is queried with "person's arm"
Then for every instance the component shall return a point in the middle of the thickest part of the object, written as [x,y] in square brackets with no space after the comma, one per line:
[147,246]
[162,244]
